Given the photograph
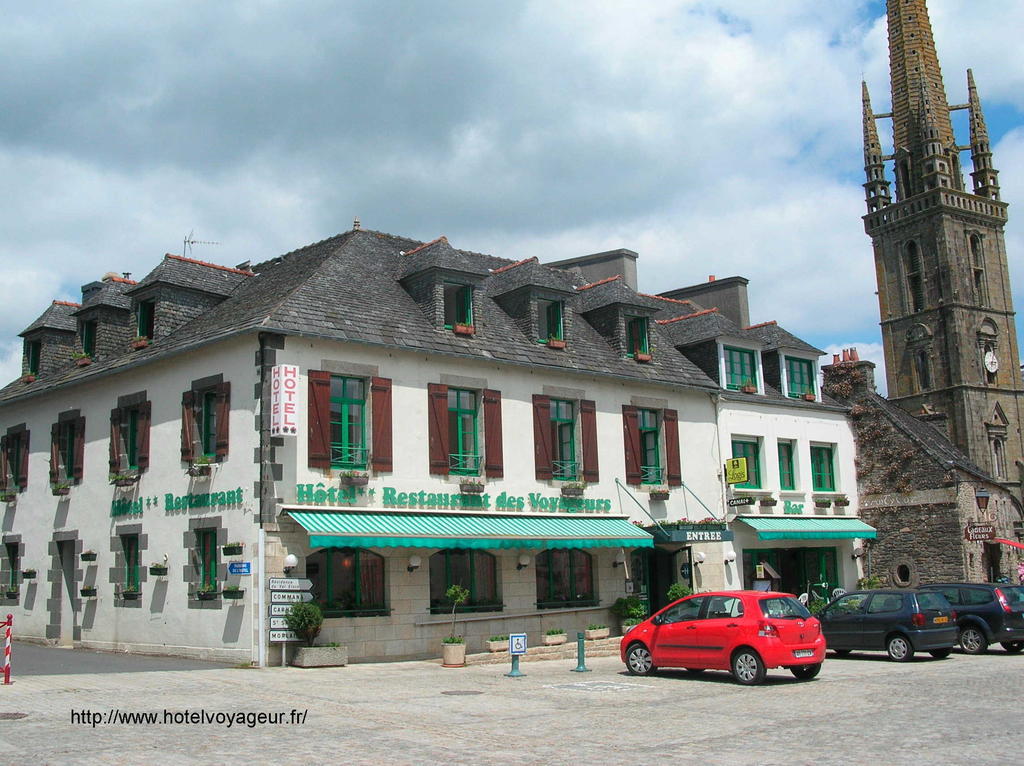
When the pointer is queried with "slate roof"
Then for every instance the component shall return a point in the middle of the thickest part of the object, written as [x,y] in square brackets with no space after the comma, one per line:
[109,292]
[706,324]
[205,277]
[439,254]
[774,337]
[611,291]
[60,315]
[531,273]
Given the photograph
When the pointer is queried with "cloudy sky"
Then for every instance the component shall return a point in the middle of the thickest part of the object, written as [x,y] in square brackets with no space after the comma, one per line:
[711,136]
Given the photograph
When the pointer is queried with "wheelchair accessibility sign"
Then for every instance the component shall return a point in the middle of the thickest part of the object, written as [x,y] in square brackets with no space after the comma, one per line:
[517,644]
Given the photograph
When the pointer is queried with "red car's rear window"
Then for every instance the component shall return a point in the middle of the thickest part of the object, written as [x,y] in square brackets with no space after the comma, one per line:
[783,608]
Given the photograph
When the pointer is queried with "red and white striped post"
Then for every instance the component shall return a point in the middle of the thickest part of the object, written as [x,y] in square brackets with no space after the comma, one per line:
[7,649]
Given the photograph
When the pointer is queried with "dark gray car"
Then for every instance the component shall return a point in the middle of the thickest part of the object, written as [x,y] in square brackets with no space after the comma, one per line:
[986,613]
[899,622]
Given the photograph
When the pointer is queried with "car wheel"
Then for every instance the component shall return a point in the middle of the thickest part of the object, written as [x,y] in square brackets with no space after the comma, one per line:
[899,648]
[940,654]
[805,672]
[694,671]
[972,640]
[748,668]
[841,652]
[639,661]
[1013,647]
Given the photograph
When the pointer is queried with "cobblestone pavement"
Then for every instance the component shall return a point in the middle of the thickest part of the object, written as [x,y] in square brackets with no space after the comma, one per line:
[862,709]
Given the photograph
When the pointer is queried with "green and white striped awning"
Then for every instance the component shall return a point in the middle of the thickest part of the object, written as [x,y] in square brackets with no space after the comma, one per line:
[383,529]
[808,528]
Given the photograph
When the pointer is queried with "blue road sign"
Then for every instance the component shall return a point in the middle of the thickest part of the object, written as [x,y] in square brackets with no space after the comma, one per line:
[517,644]
[240,568]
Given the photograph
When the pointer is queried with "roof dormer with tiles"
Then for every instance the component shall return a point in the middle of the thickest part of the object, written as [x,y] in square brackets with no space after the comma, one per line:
[105,323]
[621,316]
[49,341]
[538,298]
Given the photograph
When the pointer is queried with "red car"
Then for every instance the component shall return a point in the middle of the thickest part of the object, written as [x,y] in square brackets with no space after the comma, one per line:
[743,631]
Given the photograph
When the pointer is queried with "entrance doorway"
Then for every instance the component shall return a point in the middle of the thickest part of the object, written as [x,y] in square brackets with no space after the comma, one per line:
[992,561]
[791,569]
[654,570]
[68,616]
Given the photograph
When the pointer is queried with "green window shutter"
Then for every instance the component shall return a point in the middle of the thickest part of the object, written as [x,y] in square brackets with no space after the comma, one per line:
[750,451]
[787,476]
[822,471]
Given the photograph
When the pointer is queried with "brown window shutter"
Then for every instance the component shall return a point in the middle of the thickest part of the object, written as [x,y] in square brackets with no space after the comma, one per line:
[380,402]
[223,404]
[542,437]
[188,426]
[437,428]
[54,452]
[631,443]
[673,468]
[24,459]
[4,468]
[145,419]
[494,461]
[79,449]
[588,429]
[319,419]
[115,440]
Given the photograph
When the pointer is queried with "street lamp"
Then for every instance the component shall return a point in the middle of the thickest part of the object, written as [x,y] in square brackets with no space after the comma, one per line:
[981,498]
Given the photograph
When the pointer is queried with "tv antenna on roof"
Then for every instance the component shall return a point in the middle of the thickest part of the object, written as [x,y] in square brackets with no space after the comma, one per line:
[186,247]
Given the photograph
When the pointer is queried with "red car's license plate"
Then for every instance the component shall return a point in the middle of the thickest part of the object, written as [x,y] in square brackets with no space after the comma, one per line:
[803,653]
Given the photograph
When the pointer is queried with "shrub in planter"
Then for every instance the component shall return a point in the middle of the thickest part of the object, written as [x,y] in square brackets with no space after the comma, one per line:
[232,592]
[628,608]
[88,555]
[677,591]
[232,549]
[471,487]
[595,631]
[454,647]
[573,489]
[207,593]
[355,479]
[60,488]
[28,574]
[158,570]
[842,500]
[11,593]
[305,620]
[629,623]
[327,656]
[88,592]
[497,643]
[123,479]
[554,637]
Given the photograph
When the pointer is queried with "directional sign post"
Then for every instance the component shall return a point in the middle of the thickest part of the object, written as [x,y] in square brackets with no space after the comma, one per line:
[289,583]
[289,596]
[285,591]
[283,636]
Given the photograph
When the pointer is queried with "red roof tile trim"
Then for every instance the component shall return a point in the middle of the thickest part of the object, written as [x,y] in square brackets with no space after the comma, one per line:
[763,324]
[123,281]
[67,303]
[670,300]
[442,238]
[513,265]
[686,316]
[210,265]
[599,282]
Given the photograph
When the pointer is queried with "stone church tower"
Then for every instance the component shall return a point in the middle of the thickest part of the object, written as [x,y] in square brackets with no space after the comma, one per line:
[940,258]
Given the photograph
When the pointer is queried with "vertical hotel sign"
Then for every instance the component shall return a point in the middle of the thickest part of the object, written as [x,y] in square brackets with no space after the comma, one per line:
[284,400]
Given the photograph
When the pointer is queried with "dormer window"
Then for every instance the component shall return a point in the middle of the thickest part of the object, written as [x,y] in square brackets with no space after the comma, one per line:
[146,319]
[799,377]
[637,343]
[88,336]
[32,351]
[551,320]
[458,307]
[740,369]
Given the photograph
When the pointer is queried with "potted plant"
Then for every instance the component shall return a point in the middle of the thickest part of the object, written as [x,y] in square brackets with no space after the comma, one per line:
[28,574]
[822,502]
[232,549]
[498,643]
[554,637]
[131,594]
[355,478]
[82,359]
[630,610]
[769,501]
[659,493]
[749,387]
[808,397]
[677,591]
[60,488]
[556,343]
[463,329]
[232,592]
[595,631]
[207,592]
[124,479]
[10,592]
[200,465]
[471,487]
[841,500]
[641,356]
[158,569]
[305,619]
[8,496]
[88,591]
[89,555]
[573,488]
[629,623]
[30,378]
[139,341]
[454,647]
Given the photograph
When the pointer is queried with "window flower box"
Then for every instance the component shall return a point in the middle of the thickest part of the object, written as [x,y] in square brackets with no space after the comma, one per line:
[83,361]
[131,595]
[87,591]
[658,494]
[822,503]
[573,490]
[464,329]
[749,389]
[28,574]
[556,343]
[768,502]
[232,549]
[809,397]
[59,490]
[471,487]
[8,496]
[641,357]
[124,479]
[11,593]
[200,466]
[842,501]
[233,594]
[30,378]
[207,594]
[158,570]
[355,479]
[140,341]
[88,555]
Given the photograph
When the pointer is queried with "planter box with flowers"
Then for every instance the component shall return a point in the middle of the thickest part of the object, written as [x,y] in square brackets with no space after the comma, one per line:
[768,502]
[207,593]
[554,637]
[82,360]
[641,357]
[158,570]
[232,593]
[8,496]
[822,502]
[88,555]
[59,489]
[809,397]
[232,549]
[200,466]
[124,479]
[595,632]
[30,378]
[88,591]
[471,487]
[131,595]
[658,494]
[28,574]
[573,489]
[355,478]
[842,501]
[497,644]
[139,341]
[11,593]
[556,343]
[463,329]
[749,388]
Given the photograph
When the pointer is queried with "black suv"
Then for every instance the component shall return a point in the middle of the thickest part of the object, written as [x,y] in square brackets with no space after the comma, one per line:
[986,614]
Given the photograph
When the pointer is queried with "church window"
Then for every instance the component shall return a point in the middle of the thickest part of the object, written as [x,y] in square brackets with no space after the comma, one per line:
[915,280]
[922,367]
[978,270]
[999,458]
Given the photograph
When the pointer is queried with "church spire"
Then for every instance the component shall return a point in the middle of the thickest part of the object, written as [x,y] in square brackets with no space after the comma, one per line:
[876,189]
[986,181]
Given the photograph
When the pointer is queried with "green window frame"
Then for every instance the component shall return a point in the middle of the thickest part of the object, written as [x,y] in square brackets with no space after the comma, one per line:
[463,433]
[458,304]
[130,438]
[348,422]
[552,321]
[476,571]
[799,377]
[348,582]
[751,451]
[787,474]
[33,349]
[563,440]
[66,447]
[740,368]
[88,333]
[823,477]
[14,561]
[637,331]
[651,470]
[146,319]
[208,423]
[565,577]
[130,551]
[206,550]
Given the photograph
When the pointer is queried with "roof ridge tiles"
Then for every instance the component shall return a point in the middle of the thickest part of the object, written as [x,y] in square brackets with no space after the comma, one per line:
[210,265]
[604,281]
[663,298]
[687,316]
[67,303]
[425,245]
[517,263]
[122,280]
[761,324]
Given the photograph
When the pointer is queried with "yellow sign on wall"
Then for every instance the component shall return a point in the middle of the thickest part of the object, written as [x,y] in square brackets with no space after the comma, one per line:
[736,470]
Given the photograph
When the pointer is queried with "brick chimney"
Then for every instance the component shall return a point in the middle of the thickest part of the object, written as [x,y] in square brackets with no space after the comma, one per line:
[848,378]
